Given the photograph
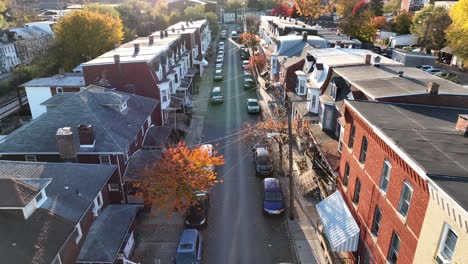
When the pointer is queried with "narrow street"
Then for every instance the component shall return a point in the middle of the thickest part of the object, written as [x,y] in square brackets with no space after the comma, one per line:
[237,230]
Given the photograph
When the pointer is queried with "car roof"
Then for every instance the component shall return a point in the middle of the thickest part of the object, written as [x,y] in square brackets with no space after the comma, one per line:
[252,100]
[271,185]
[188,237]
[216,89]
[219,71]
[261,151]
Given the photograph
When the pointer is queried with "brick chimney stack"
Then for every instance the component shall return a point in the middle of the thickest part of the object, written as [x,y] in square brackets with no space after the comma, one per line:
[86,136]
[151,40]
[304,36]
[432,88]
[136,47]
[116,58]
[66,144]
[368,59]
[462,124]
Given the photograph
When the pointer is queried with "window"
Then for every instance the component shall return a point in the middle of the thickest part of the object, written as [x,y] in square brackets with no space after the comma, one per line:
[376,223]
[176,78]
[351,136]
[301,87]
[78,233]
[40,198]
[104,159]
[164,95]
[340,140]
[447,245]
[98,202]
[394,247]
[405,199]
[357,191]
[314,101]
[346,174]
[362,157]
[387,168]
[30,158]
[148,120]
[59,90]
[113,187]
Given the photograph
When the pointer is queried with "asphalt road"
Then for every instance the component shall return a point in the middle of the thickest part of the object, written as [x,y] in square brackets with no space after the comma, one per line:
[237,231]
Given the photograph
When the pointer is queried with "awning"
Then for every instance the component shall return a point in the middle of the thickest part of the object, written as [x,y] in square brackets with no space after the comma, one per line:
[340,227]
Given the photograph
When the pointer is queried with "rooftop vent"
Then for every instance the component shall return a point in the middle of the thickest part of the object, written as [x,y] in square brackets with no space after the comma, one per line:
[182,27]
[173,29]
[151,40]
[400,73]
[116,58]
[367,60]
[166,34]
[136,47]
[304,36]
[462,124]
[432,88]
[161,34]
[187,23]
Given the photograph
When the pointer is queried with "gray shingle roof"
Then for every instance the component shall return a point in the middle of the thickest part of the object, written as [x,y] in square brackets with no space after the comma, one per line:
[107,234]
[62,80]
[141,160]
[427,134]
[57,99]
[19,192]
[39,238]
[114,129]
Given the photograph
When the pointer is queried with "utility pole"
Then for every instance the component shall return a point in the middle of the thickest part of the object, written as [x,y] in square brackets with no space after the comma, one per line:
[289,104]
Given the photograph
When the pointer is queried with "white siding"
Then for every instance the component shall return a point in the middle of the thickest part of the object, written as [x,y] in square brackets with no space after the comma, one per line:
[37,95]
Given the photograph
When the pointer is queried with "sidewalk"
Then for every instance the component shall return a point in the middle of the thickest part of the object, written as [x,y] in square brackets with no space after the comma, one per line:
[302,231]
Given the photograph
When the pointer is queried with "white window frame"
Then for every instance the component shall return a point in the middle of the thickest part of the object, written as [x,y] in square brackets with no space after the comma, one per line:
[126,156]
[385,177]
[314,101]
[42,200]
[80,234]
[391,249]
[443,241]
[112,189]
[59,90]
[98,202]
[375,222]
[164,93]
[149,121]
[105,163]
[406,186]
[57,259]
[30,158]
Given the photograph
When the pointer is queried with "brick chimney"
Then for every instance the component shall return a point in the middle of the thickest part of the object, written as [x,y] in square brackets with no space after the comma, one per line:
[151,40]
[161,34]
[66,144]
[182,27]
[136,47]
[304,36]
[173,29]
[86,136]
[166,34]
[368,59]
[432,88]
[462,124]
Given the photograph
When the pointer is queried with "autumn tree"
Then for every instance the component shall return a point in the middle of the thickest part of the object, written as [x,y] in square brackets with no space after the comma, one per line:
[252,23]
[402,23]
[198,12]
[102,9]
[344,7]
[429,27]
[3,22]
[356,22]
[376,7]
[84,35]
[234,4]
[139,19]
[379,22]
[283,9]
[313,8]
[392,6]
[457,33]
[177,175]
[258,62]
[249,39]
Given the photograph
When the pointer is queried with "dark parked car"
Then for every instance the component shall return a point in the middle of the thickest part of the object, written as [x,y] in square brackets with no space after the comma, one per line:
[197,214]
[272,196]
[263,164]
[189,249]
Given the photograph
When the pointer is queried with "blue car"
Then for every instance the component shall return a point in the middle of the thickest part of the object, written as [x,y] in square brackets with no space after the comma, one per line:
[189,249]
[272,195]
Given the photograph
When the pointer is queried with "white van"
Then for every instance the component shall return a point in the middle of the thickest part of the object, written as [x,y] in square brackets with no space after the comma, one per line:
[234,35]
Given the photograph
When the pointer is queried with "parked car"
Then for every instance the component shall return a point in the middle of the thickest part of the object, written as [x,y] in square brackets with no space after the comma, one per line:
[446,75]
[223,34]
[424,67]
[245,55]
[234,35]
[189,249]
[252,106]
[245,63]
[263,164]
[218,75]
[219,66]
[433,70]
[197,214]
[220,59]
[248,82]
[273,202]
[221,46]
[221,52]
[216,95]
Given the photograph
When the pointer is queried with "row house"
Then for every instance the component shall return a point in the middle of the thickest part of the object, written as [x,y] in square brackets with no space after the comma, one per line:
[156,67]
[94,126]
[403,177]
[197,41]
[32,40]
[40,89]
[53,212]
[8,56]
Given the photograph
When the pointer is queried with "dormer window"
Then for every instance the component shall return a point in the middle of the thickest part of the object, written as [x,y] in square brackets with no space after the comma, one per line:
[98,202]
[40,198]
[301,88]
[59,90]
[123,106]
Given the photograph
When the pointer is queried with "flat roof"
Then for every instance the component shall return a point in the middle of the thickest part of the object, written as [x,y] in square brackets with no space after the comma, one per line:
[193,24]
[59,80]
[127,51]
[428,136]
[339,57]
[383,81]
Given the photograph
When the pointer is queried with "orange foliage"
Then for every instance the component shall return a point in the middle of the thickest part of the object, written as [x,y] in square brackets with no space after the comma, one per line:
[173,179]
[379,22]
[249,39]
[259,62]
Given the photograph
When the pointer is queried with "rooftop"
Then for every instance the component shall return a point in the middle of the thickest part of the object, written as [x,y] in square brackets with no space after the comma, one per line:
[59,80]
[383,81]
[141,160]
[339,57]
[114,129]
[127,53]
[293,45]
[159,136]
[19,192]
[107,234]
[192,24]
[70,192]
[427,135]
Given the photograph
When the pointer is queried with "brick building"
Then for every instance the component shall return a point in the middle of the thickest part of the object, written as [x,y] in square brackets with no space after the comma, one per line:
[391,153]
[96,126]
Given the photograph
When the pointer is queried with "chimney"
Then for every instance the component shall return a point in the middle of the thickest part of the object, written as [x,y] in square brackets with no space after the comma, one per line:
[191,21]
[187,23]
[136,47]
[86,136]
[161,34]
[462,124]
[151,40]
[166,34]
[182,27]
[368,59]
[62,71]
[304,36]
[376,61]
[66,144]
[116,58]
[400,73]
[432,88]
[173,29]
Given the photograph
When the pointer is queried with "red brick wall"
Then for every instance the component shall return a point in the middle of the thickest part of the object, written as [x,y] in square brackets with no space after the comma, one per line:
[290,76]
[70,250]
[369,174]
